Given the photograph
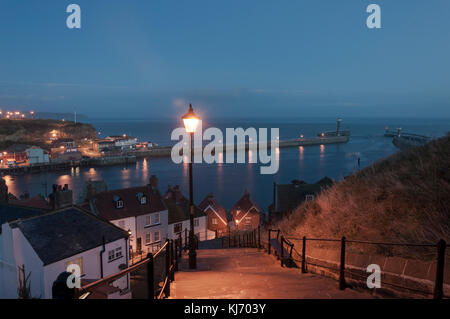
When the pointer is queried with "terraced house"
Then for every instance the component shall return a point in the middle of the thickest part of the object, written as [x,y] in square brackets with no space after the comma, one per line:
[138,210]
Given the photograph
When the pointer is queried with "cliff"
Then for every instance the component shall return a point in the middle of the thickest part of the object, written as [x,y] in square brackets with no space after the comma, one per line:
[37,132]
[404,198]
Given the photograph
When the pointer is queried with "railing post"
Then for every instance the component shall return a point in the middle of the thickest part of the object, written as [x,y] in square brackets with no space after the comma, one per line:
[304,255]
[150,277]
[167,290]
[239,240]
[259,237]
[439,283]
[181,246]
[174,259]
[342,284]
[282,251]
[185,239]
[268,242]
[229,236]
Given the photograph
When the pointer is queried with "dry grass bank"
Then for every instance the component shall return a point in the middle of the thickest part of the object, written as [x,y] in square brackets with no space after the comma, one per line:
[404,198]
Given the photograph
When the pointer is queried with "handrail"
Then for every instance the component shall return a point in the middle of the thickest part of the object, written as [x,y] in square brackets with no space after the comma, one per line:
[440,260]
[366,242]
[171,265]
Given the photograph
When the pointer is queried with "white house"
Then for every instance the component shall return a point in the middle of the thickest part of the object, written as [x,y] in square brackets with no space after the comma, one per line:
[43,246]
[179,217]
[37,155]
[137,210]
[123,142]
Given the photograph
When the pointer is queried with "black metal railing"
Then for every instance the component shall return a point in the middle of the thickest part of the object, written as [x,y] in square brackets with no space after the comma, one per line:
[156,288]
[242,238]
[285,241]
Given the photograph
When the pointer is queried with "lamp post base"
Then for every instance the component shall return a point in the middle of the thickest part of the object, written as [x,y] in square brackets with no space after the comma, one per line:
[192,259]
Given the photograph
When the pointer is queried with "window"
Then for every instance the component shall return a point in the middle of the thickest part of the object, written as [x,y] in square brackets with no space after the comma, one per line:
[119,204]
[196,222]
[147,239]
[122,224]
[309,197]
[147,220]
[248,220]
[143,200]
[156,236]
[155,219]
[214,221]
[178,228]
[118,252]
[77,261]
[111,255]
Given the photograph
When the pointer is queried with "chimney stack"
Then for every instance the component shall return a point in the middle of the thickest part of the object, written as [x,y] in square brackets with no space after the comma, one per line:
[61,197]
[3,191]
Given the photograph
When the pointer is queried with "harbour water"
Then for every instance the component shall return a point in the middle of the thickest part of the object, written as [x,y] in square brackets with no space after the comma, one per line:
[229,181]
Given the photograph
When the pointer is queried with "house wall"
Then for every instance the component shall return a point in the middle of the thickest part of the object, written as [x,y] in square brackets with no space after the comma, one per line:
[25,255]
[201,230]
[8,269]
[130,224]
[37,156]
[91,266]
[142,230]
[222,223]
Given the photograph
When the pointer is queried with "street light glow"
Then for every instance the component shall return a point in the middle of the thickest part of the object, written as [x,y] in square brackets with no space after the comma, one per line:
[190,120]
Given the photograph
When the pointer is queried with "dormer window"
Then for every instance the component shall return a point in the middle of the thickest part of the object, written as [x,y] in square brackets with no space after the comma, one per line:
[142,199]
[118,202]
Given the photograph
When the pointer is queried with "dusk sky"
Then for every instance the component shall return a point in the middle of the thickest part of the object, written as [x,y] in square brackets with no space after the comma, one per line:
[147,59]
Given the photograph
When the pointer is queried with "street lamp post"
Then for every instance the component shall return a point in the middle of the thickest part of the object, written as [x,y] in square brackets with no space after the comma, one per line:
[191,121]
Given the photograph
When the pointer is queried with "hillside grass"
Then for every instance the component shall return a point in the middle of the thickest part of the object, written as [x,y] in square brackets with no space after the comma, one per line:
[404,198]
[36,132]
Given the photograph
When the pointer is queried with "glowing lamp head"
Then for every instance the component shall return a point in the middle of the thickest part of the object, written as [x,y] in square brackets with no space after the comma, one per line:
[190,120]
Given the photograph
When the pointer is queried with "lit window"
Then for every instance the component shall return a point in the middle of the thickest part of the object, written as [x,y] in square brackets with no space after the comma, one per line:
[143,200]
[214,221]
[78,261]
[309,197]
[119,204]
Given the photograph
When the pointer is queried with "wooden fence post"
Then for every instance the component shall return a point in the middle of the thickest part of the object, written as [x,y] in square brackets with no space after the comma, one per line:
[150,277]
[439,283]
[268,242]
[282,250]
[304,255]
[229,237]
[342,284]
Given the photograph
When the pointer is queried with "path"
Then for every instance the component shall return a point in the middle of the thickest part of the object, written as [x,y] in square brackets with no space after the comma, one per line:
[247,273]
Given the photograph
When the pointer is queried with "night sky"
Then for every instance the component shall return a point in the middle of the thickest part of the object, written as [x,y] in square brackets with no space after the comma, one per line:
[147,59]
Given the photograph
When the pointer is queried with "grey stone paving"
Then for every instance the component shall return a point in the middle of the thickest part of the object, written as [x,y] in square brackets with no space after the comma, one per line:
[251,274]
